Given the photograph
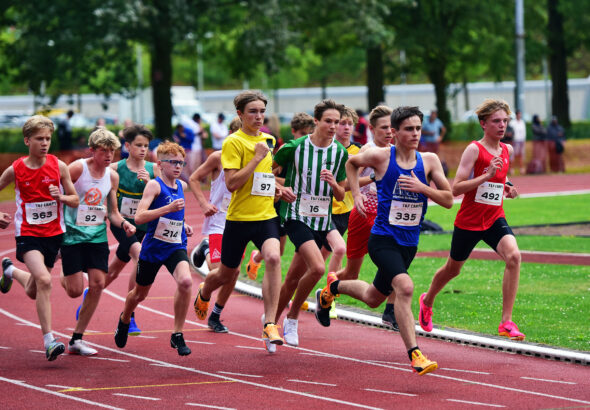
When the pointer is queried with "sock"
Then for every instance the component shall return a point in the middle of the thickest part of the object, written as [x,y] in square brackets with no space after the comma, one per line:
[75,337]
[388,308]
[47,339]
[216,311]
[8,271]
[133,314]
[268,323]
[412,351]
[334,287]
[206,252]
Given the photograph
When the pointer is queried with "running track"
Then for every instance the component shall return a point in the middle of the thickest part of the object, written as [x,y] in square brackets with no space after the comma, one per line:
[346,365]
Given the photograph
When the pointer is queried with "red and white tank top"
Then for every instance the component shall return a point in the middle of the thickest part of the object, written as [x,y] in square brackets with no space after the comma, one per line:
[482,206]
[37,213]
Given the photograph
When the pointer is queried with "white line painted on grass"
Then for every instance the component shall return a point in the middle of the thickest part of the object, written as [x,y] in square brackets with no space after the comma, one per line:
[546,380]
[475,403]
[240,374]
[54,393]
[308,382]
[209,406]
[133,396]
[391,392]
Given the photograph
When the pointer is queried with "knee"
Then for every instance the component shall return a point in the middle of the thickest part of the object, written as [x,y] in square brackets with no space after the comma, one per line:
[273,259]
[513,259]
[43,283]
[139,295]
[372,303]
[185,285]
[404,291]
[339,251]
[318,272]
[96,286]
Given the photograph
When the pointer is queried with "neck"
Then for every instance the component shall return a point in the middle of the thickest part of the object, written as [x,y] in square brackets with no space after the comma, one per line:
[404,154]
[343,140]
[320,141]
[490,142]
[169,180]
[254,132]
[34,161]
[135,162]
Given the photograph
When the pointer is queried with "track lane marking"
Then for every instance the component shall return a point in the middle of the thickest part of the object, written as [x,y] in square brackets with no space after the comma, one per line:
[240,374]
[546,380]
[76,389]
[308,382]
[475,403]
[136,397]
[209,406]
[391,392]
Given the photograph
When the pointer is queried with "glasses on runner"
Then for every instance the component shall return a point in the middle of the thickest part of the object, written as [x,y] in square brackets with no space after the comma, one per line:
[174,162]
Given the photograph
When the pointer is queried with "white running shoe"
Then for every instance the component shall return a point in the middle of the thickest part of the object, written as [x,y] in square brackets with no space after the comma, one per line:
[80,347]
[290,331]
[270,347]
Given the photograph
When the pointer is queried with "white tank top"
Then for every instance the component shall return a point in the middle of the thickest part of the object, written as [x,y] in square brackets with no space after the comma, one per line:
[369,191]
[220,197]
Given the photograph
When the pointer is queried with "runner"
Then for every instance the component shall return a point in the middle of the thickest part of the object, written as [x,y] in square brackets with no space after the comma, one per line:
[316,175]
[39,224]
[403,179]
[85,246]
[247,164]
[360,226]
[481,176]
[162,208]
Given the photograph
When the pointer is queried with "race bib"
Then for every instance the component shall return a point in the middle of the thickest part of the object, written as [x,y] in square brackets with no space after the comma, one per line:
[169,230]
[490,193]
[129,207]
[91,215]
[314,206]
[263,184]
[225,202]
[405,213]
[39,213]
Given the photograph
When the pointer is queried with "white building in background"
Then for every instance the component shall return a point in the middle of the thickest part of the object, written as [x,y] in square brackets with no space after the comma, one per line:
[291,100]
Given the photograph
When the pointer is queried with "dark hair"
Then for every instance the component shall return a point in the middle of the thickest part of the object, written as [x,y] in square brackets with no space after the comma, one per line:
[132,131]
[196,117]
[247,96]
[400,114]
[324,106]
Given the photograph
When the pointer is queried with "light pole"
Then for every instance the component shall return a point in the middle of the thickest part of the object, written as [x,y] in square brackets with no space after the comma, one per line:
[519,92]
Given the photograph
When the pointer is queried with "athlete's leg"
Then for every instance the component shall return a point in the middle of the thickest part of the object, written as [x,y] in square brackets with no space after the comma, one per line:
[134,253]
[96,283]
[443,275]
[182,297]
[215,280]
[508,249]
[404,289]
[73,284]
[351,270]
[115,267]
[362,291]
[338,250]
[271,283]
[296,271]
[26,280]
[40,281]
[134,298]
[315,270]
[227,289]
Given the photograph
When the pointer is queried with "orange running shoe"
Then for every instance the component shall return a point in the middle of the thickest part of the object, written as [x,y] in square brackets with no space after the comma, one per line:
[201,307]
[421,364]
[252,267]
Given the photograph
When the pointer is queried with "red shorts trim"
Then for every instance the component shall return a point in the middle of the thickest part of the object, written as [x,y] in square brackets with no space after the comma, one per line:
[215,247]
[359,230]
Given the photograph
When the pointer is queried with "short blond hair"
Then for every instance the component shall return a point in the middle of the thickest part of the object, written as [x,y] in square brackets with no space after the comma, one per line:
[348,112]
[490,106]
[36,123]
[103,138]
[378,112]
[235,124]
[303,121]
[170,148]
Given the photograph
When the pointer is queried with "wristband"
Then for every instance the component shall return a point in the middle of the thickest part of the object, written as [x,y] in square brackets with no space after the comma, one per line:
[122,223]
[509,183]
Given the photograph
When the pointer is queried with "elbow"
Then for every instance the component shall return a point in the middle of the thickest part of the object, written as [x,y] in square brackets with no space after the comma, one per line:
[455,192]
[139,219]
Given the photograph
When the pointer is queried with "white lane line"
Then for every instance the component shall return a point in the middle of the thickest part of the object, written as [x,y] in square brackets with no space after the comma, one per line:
[160,365]
[109,359]
[5,347]
[391,392]
[24,324]
[202,372]
[313,354]
[546,380]
[146,337]
[462,371]
[59,386]
[240,374]
[308,382]
[64,396]
[250,347]
[209,406]
[37,351]
[475,403]
[136,397]
[199,342]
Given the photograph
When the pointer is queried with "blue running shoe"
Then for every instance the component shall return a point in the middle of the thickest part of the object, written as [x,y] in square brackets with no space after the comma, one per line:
[80,307]
[133,329]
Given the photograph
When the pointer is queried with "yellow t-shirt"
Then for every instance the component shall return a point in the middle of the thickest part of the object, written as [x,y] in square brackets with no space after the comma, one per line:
[344,206]
[237,151]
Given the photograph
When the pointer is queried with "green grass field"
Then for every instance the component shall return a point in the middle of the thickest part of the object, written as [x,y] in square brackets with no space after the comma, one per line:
[553,301]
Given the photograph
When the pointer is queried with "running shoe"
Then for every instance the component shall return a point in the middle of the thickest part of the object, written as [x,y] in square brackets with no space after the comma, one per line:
[54,349]
[252,267]
[121,333]
[510,330]
[271,333]
[177,342]
[290,331]
[388,318]
[5,281]
[425,315]
[80,347]
[421,364]
[201,307]
[198,254]
[133,329]
[324,299]
[215,324]
[333,314]
[270,348]
[80,307]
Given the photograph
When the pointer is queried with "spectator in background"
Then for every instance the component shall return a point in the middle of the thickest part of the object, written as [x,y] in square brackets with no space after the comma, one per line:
[555,145]
[184,137]
[194,150]
[218,132]
[235,125]
[537,163]
[64,132]
[124,152]
[360,135]
[509,139]
[265,127]
[433,131]
[518,141]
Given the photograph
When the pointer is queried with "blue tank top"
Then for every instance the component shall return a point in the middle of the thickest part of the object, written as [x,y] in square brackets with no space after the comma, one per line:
[165,234]
[400,213]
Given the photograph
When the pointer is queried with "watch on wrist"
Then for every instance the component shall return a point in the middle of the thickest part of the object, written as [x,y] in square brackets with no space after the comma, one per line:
[372,176]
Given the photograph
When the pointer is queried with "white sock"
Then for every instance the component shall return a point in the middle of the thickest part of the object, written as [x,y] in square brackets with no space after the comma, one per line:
[8,271]
[47,339]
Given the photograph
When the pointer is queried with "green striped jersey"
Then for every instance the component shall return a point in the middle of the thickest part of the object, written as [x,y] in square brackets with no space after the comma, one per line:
[304,162]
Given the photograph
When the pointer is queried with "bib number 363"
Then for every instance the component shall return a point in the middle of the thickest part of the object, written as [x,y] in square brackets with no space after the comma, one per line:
[39,213]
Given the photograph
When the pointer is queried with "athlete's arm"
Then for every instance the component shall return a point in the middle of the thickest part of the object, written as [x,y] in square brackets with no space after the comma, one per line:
[374,157]
[212,164]
[434,170]
[151,191]
[7,177]
[338,188]
[4,220]
[75,169]
[114,166]
[113,211]
[236,178]
[462,183]
[70,198]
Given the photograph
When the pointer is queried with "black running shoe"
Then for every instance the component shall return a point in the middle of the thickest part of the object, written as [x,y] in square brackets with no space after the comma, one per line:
[54,349]
[388,318]
[321,314]
[121,333]
[216,325]
[5,281]
[177,342]
[198,255]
